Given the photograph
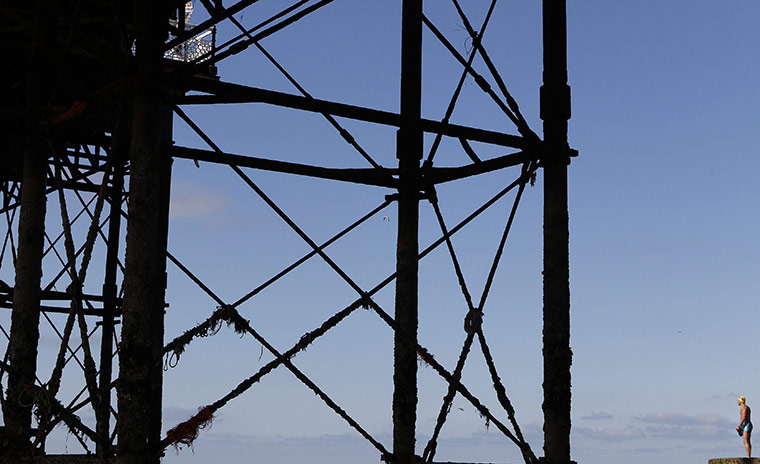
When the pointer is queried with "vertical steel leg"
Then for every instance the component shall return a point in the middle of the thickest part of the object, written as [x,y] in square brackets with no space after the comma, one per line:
[555,112]
[409,154]
[140,370]
[119,151]
[25,318]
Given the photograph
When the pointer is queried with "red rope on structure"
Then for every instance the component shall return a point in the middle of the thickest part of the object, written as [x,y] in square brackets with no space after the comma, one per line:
[76,109]
[186,432]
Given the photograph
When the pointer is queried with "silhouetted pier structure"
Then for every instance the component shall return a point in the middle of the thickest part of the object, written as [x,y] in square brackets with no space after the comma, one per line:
[92,88]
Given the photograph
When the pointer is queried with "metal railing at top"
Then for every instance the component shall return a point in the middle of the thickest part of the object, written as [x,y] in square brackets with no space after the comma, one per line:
[202,45]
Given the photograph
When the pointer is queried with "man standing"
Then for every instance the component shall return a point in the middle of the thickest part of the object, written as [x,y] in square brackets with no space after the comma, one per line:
[745,424]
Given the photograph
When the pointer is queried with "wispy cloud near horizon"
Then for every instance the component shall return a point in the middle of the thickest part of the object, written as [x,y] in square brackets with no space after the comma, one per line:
[191,201]
[684,419]
[609,433]
[706,426]
[601,415]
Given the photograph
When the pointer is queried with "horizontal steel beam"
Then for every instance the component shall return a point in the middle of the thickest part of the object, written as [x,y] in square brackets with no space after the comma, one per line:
[226,92]
[62,296]
[441,175]
[99,312]
[71,184]
[371,176]
[6,301]
[79,186]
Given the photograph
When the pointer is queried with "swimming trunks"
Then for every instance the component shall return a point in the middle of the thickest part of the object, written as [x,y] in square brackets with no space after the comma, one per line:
[746,427]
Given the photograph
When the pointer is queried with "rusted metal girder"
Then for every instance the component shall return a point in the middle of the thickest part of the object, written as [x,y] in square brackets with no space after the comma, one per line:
[409,153]
[225,92]
[370,176]
[555,112]
[140,371]
[367,176]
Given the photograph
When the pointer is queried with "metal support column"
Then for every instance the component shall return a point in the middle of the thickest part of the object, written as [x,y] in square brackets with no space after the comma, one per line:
[555,112]
[119,152]
[140,370]
[409,153]
[25,318]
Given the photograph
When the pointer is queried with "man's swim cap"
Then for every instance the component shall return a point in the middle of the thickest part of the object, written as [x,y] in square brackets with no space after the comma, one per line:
[742,399]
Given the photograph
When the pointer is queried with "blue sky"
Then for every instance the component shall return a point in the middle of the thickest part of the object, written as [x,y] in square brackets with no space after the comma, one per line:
[663,224]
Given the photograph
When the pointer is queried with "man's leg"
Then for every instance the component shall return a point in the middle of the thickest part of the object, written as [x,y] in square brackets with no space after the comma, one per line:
[748,444]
